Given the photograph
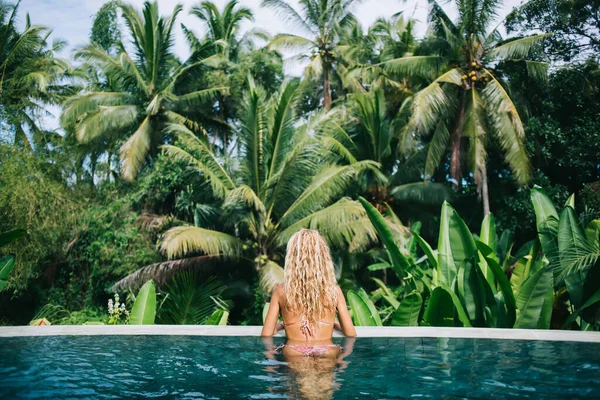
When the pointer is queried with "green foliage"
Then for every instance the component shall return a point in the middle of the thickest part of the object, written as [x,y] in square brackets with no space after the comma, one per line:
[231,158]
[574,26]
[144,308]
[105,29]
[190,301]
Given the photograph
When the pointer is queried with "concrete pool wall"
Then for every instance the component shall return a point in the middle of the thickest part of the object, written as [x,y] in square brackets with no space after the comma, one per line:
[362,331]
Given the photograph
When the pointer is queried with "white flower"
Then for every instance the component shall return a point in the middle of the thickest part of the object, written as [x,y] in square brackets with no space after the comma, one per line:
[117,297]
[123,307]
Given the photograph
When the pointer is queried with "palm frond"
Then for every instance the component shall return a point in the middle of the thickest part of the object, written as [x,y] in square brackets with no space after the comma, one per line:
[433,103]
[426,193]
[205,160]
[337,223]
[325,186]
[243,194]
[161,272]
[182,240]
[508,128]
[537,70]
[189,301]
[516,49]
[290,42]
[76,107]
[436,148]
[105,121]
[287,11]
[135,149]
[271,275]
[191,100]
[414,65]
[281,119]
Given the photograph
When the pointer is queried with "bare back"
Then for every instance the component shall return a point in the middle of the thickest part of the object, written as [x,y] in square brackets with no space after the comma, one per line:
[323,331]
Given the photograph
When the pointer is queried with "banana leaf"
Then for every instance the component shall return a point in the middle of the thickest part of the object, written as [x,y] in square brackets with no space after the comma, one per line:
[595,298]
[546,219]
[570,238]
[7,263]
[361,313]
[379,266]
[592,230]
[407,313]
[504,248]
[219,317]
[505,287]
[531,296]
[429,252]
[399,262]
[11,236]
[523,268]
[471,291]
[447,270]
[363,295]
[440,309]
[144,308]
[546,313]
[460,311]
[488,232]
[412,243]
[387,294]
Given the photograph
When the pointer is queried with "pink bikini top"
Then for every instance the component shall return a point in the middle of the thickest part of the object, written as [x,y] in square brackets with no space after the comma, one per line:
[304,328]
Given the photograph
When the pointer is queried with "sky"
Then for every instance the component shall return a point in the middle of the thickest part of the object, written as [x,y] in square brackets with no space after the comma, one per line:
[71,20]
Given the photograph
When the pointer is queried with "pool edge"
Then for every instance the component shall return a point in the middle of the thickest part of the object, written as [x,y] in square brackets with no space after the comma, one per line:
[385,331]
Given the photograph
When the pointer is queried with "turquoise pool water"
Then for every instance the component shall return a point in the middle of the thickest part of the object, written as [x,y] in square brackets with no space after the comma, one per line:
[236,367]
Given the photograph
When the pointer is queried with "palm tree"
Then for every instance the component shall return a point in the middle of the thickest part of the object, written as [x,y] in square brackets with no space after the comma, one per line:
[223,38]
[280,185]
[323,21]
[466,99]
[148,90]
[29,75]
[362,130]
[223,27]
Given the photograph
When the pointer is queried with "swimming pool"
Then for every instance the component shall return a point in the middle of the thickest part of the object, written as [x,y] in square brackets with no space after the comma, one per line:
[215,367]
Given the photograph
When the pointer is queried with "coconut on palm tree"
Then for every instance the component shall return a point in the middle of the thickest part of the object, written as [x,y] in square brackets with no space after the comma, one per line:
[467,104]
[282,183]
[146,92]
[322,22]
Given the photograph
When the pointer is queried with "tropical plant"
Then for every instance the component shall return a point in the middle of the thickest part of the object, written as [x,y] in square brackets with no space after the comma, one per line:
[236,52]
[146,92]
[191,302]
[143,311]
[322,22]
[467,99]
[362,131]
[573,250]
[29,76]
[7,263]
[279,186]
[466,286]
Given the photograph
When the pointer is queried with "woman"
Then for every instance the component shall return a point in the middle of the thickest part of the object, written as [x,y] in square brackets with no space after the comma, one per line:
[308,300]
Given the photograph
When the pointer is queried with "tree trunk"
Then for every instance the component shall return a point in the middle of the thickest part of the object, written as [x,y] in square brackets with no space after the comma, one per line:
[484,191]
[326,87]
[455,162]
[223,116]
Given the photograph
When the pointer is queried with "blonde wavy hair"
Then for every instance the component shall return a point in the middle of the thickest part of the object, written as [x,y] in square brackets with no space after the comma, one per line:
[309,277]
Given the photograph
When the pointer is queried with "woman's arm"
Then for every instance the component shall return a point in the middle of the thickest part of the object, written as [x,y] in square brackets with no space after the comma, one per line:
[270,326]
[346,325]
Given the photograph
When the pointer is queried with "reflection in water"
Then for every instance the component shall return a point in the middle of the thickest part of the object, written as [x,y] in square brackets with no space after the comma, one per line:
[312,377]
